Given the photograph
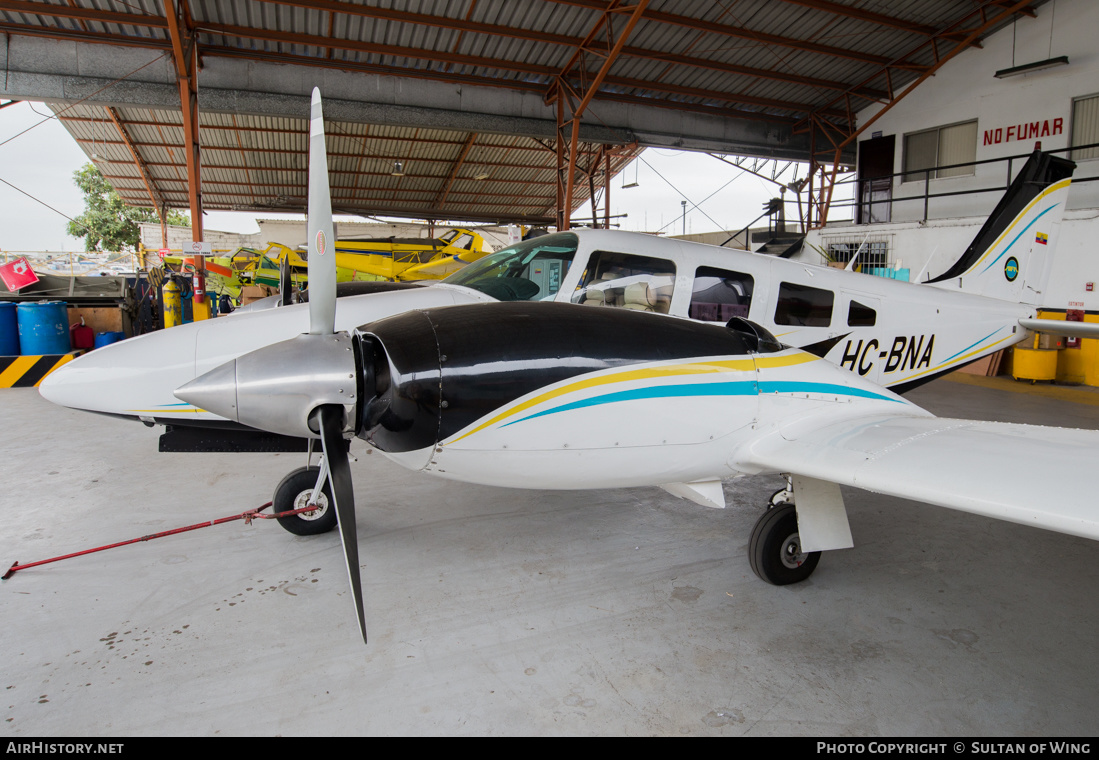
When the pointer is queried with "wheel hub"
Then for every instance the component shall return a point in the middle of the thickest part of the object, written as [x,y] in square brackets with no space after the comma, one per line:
[792,555]
[303,500]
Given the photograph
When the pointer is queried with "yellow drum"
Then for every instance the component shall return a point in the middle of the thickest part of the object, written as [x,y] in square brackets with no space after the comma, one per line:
[1034,364]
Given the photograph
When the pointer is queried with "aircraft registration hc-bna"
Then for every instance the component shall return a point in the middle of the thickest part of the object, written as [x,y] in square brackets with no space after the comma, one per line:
[599,359]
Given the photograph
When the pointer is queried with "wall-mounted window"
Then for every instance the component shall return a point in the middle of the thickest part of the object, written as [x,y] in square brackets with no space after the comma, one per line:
[872,253]
[941,146]
[1085,127]
[803,306]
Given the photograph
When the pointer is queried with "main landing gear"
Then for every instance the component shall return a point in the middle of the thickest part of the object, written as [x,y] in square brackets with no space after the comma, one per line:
[775,549]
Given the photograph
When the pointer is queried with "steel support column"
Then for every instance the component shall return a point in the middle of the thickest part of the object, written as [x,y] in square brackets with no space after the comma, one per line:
[577,102]
[185,57]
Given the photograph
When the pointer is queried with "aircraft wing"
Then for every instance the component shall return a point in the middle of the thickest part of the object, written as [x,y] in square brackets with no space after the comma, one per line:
[1027,474]
[367,264]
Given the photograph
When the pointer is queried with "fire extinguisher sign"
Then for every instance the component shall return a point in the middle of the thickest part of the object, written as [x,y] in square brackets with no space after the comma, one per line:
[1074,313]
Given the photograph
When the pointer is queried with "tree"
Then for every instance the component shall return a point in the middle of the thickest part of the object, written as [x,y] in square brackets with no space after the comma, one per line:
[107,223]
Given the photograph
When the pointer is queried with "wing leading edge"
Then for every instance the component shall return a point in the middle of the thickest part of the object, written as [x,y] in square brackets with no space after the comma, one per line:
[994,469]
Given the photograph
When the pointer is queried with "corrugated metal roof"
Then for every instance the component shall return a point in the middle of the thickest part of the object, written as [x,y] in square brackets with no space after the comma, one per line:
[777,60]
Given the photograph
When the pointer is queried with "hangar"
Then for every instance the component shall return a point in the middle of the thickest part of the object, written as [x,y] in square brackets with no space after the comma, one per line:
[924,656]
[438,89]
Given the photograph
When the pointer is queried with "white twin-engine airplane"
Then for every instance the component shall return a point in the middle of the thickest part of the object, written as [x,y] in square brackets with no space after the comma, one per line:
[481,379]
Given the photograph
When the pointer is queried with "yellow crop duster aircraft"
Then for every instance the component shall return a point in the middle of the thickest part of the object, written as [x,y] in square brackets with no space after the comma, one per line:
[245,266]
[392,258]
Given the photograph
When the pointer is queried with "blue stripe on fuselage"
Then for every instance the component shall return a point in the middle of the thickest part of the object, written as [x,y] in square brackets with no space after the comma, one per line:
[742,388]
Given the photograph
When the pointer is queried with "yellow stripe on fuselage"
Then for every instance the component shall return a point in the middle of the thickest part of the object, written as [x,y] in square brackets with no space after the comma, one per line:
[650,373]
[192,410]
[958,361]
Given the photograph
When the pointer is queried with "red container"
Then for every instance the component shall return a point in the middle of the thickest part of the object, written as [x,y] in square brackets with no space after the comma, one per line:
[82,336]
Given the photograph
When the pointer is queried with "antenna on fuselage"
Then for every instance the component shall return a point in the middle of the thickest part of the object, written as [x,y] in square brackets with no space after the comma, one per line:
[851,264]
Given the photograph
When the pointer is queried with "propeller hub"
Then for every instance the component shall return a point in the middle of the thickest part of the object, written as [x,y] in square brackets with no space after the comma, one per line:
[277,388]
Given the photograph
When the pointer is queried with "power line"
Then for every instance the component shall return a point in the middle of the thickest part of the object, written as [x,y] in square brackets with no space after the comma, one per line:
[51,208]
[693,204]
[74,105]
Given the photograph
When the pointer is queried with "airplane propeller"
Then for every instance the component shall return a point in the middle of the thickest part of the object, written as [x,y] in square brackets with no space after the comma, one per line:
[322,322]
[343,494]
[305,386]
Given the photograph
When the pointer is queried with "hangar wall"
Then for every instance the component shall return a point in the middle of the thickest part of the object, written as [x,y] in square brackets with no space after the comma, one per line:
[966,90]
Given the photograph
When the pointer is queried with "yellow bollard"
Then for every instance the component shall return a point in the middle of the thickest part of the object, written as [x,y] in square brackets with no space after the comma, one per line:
[172,304]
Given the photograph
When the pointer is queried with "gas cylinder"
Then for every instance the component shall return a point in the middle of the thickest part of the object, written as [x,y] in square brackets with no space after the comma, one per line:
[171,302]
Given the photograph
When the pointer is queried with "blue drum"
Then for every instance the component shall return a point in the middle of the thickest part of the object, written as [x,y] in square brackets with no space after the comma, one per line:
[9,330]
[44,328]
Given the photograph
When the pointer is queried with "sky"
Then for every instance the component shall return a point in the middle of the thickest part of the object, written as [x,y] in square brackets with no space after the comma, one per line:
[41,161]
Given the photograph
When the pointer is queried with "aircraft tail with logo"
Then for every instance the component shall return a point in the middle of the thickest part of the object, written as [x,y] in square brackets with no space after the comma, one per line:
[1011,257]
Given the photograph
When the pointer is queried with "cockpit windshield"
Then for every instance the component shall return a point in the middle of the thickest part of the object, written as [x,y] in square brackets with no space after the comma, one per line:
[528,271]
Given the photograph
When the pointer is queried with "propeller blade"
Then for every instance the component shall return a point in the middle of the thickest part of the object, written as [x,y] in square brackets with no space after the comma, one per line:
[339,476]
[286,288]
[322,243]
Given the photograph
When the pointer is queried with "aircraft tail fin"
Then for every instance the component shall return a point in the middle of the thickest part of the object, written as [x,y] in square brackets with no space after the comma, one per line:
[1011,256]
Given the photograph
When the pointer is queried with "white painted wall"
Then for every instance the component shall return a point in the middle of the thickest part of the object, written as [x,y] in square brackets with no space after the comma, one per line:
[965,89]
[928,249]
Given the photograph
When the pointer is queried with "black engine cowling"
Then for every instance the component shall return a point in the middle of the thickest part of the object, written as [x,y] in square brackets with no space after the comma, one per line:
[427,375]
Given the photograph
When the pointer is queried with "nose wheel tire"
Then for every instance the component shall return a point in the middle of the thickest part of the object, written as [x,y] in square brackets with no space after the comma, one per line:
[775,549]
[293,493]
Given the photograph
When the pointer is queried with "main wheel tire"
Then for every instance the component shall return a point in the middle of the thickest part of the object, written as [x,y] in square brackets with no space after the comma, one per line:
[294,492]
[775,549]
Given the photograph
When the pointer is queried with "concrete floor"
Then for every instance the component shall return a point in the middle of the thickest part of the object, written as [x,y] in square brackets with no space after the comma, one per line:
[504,612]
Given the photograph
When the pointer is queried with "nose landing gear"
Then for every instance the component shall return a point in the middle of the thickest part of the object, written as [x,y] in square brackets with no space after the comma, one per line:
[296,491]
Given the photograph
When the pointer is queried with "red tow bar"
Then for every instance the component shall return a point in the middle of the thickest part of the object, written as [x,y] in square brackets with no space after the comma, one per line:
[246,516]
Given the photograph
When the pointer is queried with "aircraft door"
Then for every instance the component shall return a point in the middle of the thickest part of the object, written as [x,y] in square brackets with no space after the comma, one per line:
[859,348]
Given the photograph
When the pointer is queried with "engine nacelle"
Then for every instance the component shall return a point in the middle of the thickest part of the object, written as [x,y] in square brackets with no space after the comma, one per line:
[427,375]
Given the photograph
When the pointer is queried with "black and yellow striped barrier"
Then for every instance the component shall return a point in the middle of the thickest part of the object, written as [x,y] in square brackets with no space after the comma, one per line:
[28,371]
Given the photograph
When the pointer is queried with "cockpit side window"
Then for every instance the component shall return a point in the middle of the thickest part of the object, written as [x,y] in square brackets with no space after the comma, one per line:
[628,281]
[861,315]
[719,295]
[464,240]
[528,271]
[804,306]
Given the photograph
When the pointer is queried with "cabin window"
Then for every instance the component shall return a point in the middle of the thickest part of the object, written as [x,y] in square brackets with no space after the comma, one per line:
[861,315]
[528,271]
[803,306]
[1085,127]
[719,295]
[627,281]
[942,146]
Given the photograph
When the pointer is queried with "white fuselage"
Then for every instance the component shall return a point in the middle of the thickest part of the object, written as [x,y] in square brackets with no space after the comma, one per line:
[653,423]
[896,333]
